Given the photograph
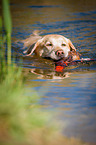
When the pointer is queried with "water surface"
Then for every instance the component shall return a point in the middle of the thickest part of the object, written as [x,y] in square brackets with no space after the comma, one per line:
[71,95]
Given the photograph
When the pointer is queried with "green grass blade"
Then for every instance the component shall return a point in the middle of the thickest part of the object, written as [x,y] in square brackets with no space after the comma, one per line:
[8,27]
[7,16]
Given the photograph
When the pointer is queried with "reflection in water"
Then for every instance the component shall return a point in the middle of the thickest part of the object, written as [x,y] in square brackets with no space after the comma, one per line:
[50,74]
[71,95]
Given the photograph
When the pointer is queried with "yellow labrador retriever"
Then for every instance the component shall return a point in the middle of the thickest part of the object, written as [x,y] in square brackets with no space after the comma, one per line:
[53,46]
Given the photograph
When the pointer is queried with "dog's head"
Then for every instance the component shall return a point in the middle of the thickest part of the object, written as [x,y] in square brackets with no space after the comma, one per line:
[53,46]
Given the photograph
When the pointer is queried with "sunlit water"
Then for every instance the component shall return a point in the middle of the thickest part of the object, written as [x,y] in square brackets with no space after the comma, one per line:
[71,95]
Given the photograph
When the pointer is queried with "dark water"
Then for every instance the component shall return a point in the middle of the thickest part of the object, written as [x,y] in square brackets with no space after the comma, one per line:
[71,95]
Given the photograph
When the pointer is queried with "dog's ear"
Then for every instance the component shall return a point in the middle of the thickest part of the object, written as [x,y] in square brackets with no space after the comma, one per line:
[31,43]
[35,46]
[72,47]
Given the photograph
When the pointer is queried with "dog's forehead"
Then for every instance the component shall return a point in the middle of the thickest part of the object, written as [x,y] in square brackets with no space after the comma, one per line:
[53,38]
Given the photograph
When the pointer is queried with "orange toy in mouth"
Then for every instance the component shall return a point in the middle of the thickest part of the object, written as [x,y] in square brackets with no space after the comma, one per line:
[72,59]
[61,64]
[59,68]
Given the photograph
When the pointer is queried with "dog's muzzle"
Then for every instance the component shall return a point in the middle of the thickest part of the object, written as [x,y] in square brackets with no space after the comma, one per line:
[59,53]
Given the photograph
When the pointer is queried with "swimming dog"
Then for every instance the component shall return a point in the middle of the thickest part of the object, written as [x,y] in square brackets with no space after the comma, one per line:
[52,46]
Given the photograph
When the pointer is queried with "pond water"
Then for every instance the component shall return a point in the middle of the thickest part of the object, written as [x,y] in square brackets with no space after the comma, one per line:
[71,95]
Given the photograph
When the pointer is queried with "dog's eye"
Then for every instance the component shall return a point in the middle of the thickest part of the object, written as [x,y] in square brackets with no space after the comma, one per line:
[49,44]
[63,44]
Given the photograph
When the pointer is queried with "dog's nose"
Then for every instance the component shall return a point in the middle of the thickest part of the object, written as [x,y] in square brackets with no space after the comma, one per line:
[59,53]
